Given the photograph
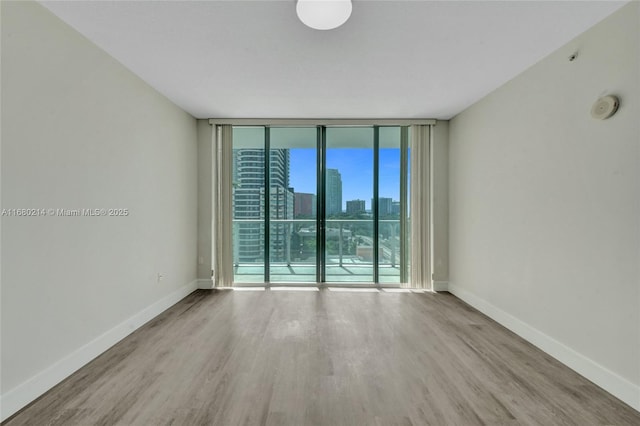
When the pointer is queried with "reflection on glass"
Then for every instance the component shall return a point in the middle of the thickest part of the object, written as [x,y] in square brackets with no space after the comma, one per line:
[349,191]
[293,201]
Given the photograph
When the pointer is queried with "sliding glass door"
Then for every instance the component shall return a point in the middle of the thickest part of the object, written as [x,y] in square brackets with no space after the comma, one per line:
[320,205]
[293,205]
[248,182]
[349,187]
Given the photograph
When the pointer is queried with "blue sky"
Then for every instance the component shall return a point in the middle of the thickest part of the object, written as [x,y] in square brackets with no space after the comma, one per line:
[355,166]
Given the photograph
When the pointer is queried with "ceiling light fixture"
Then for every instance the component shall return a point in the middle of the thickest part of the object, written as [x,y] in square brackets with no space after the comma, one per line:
[324,14]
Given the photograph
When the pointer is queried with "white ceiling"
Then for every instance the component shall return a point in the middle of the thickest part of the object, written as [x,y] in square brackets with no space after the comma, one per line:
[392,59]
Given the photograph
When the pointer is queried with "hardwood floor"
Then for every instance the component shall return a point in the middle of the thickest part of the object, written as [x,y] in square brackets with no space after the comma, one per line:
[324,358]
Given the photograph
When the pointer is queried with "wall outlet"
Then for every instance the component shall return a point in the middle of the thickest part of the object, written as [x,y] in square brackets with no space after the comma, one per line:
[160,277]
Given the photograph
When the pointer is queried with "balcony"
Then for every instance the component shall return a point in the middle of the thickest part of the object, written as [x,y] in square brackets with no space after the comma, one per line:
[349,253]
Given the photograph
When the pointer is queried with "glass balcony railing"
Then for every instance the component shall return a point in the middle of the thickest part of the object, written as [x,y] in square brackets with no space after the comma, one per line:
[349,252]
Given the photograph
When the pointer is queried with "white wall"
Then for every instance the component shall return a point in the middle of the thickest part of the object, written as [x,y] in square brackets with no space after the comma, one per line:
[205,205]
[81,131]
[545,205]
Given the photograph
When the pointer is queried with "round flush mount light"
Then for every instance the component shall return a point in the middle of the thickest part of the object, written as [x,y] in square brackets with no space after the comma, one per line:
[324,14]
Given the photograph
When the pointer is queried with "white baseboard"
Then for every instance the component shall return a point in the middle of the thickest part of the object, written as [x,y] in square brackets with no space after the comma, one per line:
[616,385]
[441,286]
[23,394]
[205,284]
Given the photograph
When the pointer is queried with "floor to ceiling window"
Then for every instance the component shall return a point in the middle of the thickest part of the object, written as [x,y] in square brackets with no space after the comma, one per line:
[349,188]
[293,205]
[320,204]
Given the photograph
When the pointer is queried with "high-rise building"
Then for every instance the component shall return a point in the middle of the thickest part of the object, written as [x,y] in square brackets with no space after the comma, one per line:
[385,206]
[355,206]
[249,203]
[305,204]
[395,208]
[334,192]
[280,207]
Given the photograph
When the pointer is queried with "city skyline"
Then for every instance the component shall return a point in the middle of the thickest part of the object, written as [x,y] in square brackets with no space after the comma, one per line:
[274,216]
[290,173]
[357,182]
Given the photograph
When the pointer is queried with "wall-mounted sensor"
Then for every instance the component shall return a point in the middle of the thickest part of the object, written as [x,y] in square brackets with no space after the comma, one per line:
[605,107]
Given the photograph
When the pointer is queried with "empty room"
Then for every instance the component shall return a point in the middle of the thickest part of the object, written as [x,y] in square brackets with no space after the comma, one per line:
[320,212]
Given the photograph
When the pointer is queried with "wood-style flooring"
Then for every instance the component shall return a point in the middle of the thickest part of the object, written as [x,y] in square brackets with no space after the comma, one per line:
[324,358]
